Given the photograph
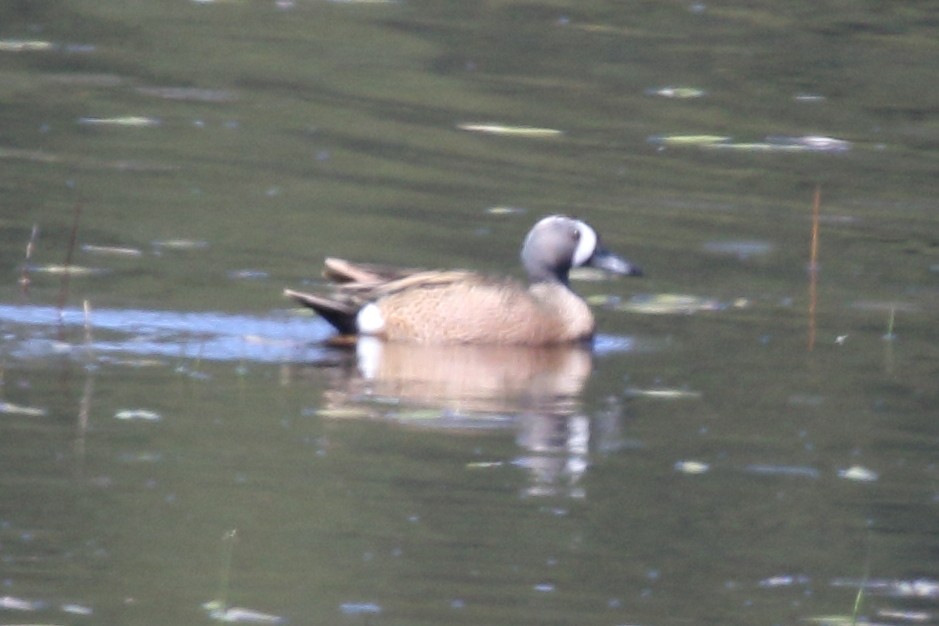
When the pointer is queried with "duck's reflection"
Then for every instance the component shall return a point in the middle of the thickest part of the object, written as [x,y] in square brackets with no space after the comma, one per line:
[535,391]
[464,378]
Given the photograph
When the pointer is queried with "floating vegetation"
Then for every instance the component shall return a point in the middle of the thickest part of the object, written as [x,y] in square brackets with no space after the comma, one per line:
[784,580]
[19,45]
[924,588]
[603,299]
[765,469]
[515,131]
[692,467]
[38,45]
[681,93]
[8,408]
[484,464]
[506,210]
[687,140]
[37,156]
[809,97]
[816,143]
[240,615]
[755,146]
[69,270]
[740,249]
[181,244]
[111,250]
[787,144]
[128,121]
[838,620]
[776,143]
[859,474]
[417,415]
[144,415]
[131,362]
[606,29]
[669,304]
[662,393]
[188,94]
[905,616]
[76,609]
[12,603]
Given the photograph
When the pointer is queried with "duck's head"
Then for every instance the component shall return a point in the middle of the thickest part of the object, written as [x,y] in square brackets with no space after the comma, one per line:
[557,243]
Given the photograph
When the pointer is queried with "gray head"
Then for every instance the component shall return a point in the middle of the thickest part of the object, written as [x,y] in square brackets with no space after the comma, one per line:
[557,243]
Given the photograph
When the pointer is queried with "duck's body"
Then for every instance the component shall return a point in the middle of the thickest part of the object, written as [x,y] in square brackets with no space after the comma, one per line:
[439,307]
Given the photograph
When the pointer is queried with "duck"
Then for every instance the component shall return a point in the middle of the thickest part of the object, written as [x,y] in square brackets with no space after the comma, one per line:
[465,307]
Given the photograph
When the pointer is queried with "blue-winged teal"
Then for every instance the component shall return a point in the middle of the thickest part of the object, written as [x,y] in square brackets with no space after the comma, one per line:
[465,307]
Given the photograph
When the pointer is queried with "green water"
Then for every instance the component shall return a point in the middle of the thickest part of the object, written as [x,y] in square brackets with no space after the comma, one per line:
[703,467]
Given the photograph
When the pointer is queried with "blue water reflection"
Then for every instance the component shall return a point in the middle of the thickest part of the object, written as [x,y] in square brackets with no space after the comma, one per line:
[210,335]
[38,331]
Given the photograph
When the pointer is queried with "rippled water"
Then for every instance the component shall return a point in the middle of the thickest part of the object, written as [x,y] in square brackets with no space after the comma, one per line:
[747,441]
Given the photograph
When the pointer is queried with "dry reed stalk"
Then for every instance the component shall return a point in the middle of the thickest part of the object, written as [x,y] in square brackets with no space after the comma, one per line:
[30,246]
[70,252]
[813,265]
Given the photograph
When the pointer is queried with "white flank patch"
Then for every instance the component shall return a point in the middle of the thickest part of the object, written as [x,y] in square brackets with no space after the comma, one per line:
[370,320]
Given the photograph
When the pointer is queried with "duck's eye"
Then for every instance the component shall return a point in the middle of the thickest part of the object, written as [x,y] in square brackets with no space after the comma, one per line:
[575,235]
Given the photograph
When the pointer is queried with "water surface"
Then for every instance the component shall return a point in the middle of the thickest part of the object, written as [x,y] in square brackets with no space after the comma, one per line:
[741,446]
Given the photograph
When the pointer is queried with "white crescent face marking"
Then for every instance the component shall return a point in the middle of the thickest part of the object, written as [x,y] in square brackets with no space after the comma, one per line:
[586,246]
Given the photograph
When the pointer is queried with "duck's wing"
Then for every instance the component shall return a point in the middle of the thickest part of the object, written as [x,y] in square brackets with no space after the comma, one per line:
[429,279]
[341,271]
[357,284]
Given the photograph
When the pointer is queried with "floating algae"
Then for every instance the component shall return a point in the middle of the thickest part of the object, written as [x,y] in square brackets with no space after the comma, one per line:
[514,131]
[8,408]
[681,93]
[128,121]
[111,250]
[669,304]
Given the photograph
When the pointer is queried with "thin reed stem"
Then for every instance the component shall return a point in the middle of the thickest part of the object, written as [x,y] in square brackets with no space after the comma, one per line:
[228,550]
[890,321]
[70,252]
[30,246]
[813,265]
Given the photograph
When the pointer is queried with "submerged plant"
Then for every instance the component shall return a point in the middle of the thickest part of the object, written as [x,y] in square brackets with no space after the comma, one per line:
[859,598]
[218,609]
[228,552]
[889,336]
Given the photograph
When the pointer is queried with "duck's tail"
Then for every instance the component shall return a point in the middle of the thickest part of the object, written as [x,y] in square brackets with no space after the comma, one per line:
[340,314]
